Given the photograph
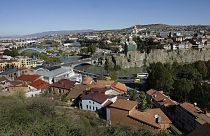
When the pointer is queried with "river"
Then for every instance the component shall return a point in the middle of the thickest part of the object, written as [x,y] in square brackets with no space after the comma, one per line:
[100,70]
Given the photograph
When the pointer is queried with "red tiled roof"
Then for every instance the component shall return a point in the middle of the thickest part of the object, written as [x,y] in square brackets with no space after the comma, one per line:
[39,84]
[3,79]
[16,83]
[95,95]
[201,117]
[148,117]
[194,110]
[161,98]
[204,130]
[29,78]
[77,91]
[119,87]
[87,80]
[64,84]
[124,104]
[105,82]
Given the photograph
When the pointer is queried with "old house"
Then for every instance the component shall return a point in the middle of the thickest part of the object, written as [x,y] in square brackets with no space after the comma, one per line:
[189,117]
[124,112]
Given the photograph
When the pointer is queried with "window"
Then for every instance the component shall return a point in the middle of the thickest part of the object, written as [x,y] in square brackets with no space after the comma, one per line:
[96,108]
[93,102]
[90,107]
[89,101]
[93,108]
[87,106]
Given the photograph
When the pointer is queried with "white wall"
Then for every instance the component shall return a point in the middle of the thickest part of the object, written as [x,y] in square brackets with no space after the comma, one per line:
[90,105]
[32,92]
[108,115]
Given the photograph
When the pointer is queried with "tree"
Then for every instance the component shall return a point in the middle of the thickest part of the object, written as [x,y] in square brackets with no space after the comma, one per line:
[13,52]
[160,78]
[91,49]
[133,94]
[84,51]
[114,75]
[202,68]
[142,100]
[107,66]
[182,88]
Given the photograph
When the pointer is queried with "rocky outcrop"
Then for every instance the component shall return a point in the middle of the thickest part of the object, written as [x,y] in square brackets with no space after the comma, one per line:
[137,59]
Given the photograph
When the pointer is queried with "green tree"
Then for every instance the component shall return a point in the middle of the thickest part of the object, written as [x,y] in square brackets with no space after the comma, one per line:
[142,100]
[159,77]
[13,52]
[91,49]
[55,43]
[182,88]
[202,68]
[107,66]
[114,75]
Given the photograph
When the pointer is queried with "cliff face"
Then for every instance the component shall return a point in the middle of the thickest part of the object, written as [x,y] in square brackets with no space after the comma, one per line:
[137,59]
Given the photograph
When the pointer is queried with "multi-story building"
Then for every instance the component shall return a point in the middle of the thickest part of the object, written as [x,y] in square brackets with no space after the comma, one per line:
[18,62]
[190,117]
[26,62]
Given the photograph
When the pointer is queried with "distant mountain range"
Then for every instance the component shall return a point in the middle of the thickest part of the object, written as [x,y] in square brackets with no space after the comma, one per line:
[59,32]
[150,27]
[50,33]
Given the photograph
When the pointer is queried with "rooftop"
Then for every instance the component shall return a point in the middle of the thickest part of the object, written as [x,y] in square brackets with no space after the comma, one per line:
[148,117]
[204,130]
[87,80]
[106,83]
[201,117]
[124,104]
[3,79]
[161,98]
[9,71]
[28,78]
[77,90]
[55,71]
[95,94]
[39,84]
[64,84]
[119,87]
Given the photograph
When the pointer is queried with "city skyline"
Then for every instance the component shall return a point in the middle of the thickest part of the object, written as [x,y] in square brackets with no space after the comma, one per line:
[27,17]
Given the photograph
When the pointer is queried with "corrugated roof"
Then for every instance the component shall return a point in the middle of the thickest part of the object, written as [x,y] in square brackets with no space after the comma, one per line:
[54,72]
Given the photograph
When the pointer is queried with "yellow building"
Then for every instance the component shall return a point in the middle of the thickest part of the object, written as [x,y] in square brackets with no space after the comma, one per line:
[26,62]
[6,63]
[18,62]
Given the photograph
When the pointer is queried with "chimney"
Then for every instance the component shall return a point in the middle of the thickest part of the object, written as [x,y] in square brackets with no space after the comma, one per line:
[157,119]
[195,104]
[161,92]
[205,111]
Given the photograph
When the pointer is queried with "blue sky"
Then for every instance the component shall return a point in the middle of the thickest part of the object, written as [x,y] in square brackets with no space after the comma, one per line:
[19,17]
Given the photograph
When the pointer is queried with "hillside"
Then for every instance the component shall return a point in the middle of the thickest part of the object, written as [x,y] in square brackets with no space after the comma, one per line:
[43,117]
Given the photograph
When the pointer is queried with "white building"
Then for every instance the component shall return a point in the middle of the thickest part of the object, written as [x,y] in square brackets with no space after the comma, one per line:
[96,100]
[36,88]
[54,74]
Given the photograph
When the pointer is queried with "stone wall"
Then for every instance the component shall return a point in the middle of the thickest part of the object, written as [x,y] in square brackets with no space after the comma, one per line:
[137,59]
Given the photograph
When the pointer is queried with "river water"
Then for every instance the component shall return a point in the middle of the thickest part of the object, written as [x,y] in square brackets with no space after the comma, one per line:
[100,70]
